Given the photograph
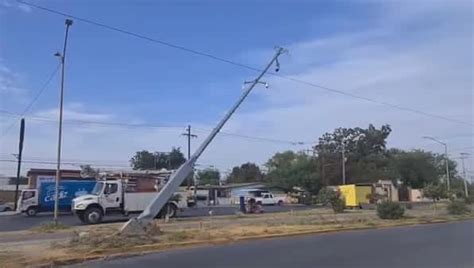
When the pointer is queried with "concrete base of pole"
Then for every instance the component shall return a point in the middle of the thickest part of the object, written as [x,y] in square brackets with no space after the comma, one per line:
[140,227]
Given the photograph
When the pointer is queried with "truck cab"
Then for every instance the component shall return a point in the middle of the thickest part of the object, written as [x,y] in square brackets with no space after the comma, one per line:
[104,198]
[28,202]
[110,196]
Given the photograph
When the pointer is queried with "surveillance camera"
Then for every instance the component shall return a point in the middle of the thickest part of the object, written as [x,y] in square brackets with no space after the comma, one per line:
[266,85]
[277,69]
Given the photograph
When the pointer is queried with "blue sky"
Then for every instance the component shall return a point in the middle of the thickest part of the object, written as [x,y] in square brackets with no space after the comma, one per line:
[417,55]
[124,71]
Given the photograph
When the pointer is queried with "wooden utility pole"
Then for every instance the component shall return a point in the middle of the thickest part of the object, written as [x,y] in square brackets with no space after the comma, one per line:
[189,135]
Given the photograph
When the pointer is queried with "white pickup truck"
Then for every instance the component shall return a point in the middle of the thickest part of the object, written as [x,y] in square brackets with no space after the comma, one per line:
[267,198]
[110,196]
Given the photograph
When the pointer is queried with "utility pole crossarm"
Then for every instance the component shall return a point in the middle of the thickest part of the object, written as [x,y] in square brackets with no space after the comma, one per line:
[144,221]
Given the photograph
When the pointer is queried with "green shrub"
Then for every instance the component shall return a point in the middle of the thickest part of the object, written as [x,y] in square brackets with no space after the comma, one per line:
[390,210]
[338,205]
[469,199]
[333,198]
[458,207]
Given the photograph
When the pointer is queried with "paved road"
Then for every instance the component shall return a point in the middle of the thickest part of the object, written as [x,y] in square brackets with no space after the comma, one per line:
[22,222]
[437,245]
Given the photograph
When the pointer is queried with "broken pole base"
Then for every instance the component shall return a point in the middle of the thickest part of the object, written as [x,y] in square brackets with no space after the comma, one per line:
[140,227]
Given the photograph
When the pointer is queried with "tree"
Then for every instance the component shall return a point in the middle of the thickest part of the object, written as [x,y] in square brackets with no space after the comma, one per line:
[209,176]
[176,158]
[434,191]
[415,168]
[364,150]
[248,172]
[289,169]
[23,180]
[88,172]
[145,160]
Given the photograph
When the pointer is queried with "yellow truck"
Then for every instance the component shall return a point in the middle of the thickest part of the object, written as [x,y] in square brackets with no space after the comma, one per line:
[355,194]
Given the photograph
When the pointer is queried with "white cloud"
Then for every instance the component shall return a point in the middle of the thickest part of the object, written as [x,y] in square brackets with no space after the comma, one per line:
[15,5]
[9,81]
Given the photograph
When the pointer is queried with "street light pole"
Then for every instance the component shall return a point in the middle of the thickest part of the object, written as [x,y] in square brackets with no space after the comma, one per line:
[62,58]
[463,156]
[343,162]
[445,160]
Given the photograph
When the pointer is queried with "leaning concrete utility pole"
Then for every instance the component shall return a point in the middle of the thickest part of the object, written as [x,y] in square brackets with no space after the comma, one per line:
[62,58]
[144,221]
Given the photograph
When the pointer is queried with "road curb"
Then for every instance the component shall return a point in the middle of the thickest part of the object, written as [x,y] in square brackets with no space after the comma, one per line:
[9,213]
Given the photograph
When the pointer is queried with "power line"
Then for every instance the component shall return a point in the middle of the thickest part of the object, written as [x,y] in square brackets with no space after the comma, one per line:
[102,123]
[463,148]
[73,121]
[258,138]
[35,98]
[161,42]
[217,58]
[41,158]
[66,163]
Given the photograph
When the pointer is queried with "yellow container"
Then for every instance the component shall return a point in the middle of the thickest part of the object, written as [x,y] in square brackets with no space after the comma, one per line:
[355,195]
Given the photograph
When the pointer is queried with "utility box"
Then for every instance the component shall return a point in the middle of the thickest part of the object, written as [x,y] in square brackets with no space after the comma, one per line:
[355,195]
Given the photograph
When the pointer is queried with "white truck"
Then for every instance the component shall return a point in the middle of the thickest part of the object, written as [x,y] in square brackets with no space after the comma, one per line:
[110,196]
[267,198]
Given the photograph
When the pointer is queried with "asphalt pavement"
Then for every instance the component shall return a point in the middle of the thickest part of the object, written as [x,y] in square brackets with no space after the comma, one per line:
[22,222]
[447,245]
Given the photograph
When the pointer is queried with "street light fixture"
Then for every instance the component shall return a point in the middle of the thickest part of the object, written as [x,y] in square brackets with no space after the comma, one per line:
[445,155]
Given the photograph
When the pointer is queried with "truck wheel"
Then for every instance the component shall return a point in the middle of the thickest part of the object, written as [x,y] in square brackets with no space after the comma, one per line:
[172,210]
[93,215]
[169,210]
[280,203]
[31,211]
[80,215]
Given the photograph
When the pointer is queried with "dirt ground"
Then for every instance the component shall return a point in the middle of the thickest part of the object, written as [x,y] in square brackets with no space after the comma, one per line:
[47,247]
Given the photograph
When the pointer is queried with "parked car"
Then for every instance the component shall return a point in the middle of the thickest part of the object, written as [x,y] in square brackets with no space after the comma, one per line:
[267,198]
[6,207]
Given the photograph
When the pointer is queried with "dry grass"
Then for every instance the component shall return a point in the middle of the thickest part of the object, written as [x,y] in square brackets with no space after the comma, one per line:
[50,227]
[101,241]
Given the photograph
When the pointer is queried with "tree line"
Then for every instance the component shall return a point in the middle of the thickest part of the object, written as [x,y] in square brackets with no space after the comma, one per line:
[367,160]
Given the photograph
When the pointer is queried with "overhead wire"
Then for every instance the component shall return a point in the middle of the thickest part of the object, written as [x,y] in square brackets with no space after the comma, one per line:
[103,123]
[65,162]
[221,59]
[35,98]
[121,124]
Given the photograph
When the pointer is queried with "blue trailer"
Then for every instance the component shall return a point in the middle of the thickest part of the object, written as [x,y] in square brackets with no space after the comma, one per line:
[41,199]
